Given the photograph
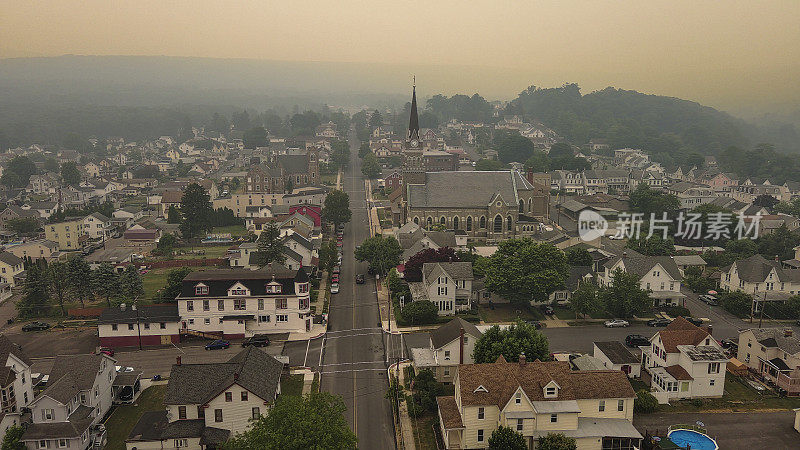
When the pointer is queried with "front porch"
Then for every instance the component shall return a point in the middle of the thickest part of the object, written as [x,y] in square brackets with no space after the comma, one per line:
[784,377]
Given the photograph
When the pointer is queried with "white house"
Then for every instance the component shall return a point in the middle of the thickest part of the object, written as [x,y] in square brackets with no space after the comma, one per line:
[450,345]
[96,226]
[762,278]
[447,284]
[78,396]
[16,387]
[773,353]
[684,361]
[208,403]
[615,356]
[10,266]
[238,303]
[658,274]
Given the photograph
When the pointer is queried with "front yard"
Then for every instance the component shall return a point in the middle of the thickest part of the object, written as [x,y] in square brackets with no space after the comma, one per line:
[124,417]
[507,313]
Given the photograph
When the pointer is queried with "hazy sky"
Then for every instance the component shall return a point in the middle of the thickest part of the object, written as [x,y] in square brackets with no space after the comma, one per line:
[727,53]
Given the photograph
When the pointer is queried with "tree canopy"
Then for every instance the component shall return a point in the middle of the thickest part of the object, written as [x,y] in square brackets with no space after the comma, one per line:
[504,438]
[523,270]
[556,441]
[370,167]
[382,253]
[510,342]
[413,267]
[270,246]
[196,211]
[18,172]
[336,208]
[511,146]
[625,297]
[314,421]
[70,174]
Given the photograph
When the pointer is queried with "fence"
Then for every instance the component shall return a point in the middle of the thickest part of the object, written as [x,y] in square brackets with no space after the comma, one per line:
[85,312]
[189,263]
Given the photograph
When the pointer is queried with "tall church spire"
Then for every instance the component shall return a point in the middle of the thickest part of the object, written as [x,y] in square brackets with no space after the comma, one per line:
[413,122]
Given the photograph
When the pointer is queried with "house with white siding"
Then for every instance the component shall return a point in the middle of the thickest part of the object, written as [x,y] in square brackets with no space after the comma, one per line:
[206,403]
[657,274]
[447,284]
[774,354]
[536,398]
[685,361]
[16,386]
[77,397]
[450,345]
[758,276]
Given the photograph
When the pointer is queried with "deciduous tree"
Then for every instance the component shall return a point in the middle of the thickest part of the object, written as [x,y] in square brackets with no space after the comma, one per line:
[504,438]
[336,209]
[59,283]
[625,297]
[519,338]
[36,294]
[556,441]
[313,421]
[270,246]
[382,253]
[413,267]
[70,174]
[370,167]
[80,279]
[523,270]
[106,282]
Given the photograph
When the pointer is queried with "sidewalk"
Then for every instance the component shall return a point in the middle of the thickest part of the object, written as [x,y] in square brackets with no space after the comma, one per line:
[382,292]
[339,180]
[317,330]
[406,432]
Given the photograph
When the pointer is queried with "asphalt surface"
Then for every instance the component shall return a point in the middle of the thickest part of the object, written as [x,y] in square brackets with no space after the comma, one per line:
[353,363]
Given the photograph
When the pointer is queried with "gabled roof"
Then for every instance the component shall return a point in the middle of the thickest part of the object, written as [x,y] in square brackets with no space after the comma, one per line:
[617,353]
[220,280]
[776,337]
[197,384]
[10,259]
[456,270]
[641,264]
[502,379]
[7,347]
[72,374]
[294,164]
[452,330]
[447,189]
[756,268]
[681,332]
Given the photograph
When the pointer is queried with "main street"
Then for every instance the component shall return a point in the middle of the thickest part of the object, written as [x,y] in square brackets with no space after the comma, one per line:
[353,356]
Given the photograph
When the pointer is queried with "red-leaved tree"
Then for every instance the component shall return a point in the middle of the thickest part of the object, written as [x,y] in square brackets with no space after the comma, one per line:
[413,271]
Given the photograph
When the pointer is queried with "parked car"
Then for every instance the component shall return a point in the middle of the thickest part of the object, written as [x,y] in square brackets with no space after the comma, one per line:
[336,269]
[728,344]
[659,322]
[335,279]
[536,324]
[616,323]
[694,321]
[126,394]
[708,299]
[335,288]
[121,369]
[547,310]
[360,279]
[339,244]
[106,351]
[219,344]
[36,326]
[257,340]
[636,340]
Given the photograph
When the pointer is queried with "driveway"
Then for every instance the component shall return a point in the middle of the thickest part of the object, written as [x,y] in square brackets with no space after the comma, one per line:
[751,430]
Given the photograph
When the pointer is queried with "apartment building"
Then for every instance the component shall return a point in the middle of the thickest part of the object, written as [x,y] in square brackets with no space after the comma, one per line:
[238,302]
[536,398]
[68,235]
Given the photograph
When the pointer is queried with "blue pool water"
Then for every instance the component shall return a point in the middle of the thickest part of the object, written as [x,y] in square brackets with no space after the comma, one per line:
[697,441]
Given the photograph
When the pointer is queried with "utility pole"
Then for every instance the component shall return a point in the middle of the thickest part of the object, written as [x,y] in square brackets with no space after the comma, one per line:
[138,323]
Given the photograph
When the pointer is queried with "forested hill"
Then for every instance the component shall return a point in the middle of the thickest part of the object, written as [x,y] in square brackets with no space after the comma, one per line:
[675,131]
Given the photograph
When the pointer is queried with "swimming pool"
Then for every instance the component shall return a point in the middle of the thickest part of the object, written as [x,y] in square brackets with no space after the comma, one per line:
[696,440]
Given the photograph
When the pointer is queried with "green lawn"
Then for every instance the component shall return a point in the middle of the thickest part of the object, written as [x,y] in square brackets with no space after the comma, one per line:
[292,385]
[738,396]
[122,420]
[507,313]
[154,280]
[234,230]
[200,252]
[329,179]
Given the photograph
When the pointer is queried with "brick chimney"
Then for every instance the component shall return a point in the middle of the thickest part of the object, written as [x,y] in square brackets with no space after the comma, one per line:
[777,259]
[178,360]
[235,376]
[788,332]
[522,361]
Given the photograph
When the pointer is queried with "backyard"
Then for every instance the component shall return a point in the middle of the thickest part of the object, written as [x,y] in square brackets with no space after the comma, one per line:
[124,417]
[424,436]
[234,230]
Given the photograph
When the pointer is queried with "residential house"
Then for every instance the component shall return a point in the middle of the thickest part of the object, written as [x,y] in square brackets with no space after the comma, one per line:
[207,403]
[684,361]
[657,274]
[686,261]
[449,346]
[68,235]
[691,195]
[595,407]
[77,397]
[16,386]
[615,356]
[45,209]
[577,276]
[132,326]
[12,212]
[40,249]
[238,303]
[774,354]
[96,226]
[10,266]
[765,279]
[447,284]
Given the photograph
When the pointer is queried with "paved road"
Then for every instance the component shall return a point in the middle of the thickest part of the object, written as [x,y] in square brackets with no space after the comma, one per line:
[353,357]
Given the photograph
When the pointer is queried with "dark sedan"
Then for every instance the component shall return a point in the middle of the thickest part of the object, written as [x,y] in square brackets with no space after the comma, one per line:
[257,340]
[658,322]
[219,344]
[36,326]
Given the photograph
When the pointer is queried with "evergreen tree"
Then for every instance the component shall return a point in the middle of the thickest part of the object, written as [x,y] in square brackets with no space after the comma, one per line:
[106,282]
[80,279]
[173,215]
[131,283]
[59,283]
[270,246]
[196,211]
[35,293]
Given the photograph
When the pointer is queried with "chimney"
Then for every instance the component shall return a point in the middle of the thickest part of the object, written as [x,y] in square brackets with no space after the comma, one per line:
[522,359]
[624,253]
[710,329]
[788,332]
[133,307]
[461,347]
[235,376]
[122,306]
[177,360]
[777,259]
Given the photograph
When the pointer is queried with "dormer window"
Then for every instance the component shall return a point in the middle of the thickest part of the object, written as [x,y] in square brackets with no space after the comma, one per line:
[274,288]
[238,291]
[518,398]
[201,289]
[550,392]
[480,389]
[551,389]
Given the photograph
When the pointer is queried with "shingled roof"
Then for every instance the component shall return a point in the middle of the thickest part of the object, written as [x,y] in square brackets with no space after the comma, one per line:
[681,332]
[500,380]
[220,280]
[641,265]
[72,374]
[448,189]
[756,268]
[197,384]
[452,330]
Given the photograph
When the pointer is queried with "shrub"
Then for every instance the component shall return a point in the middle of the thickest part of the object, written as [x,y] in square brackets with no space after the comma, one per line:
[644,402]
[421,312]
[675,311]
